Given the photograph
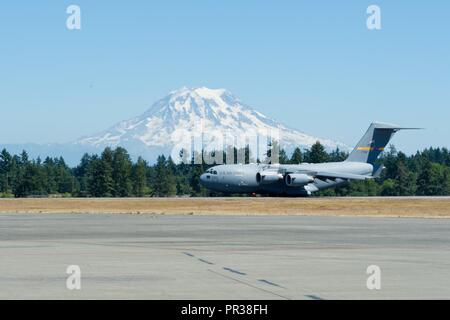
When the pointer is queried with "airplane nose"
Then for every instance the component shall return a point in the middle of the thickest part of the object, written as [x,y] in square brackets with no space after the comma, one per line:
[203,179]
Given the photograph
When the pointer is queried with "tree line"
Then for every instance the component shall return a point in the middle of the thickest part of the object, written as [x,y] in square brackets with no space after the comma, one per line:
[114,174]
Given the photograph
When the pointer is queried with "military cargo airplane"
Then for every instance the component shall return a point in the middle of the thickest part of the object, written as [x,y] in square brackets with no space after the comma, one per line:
[304,178]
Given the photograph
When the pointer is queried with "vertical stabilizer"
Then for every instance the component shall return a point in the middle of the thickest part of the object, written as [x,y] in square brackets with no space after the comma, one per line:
[373,142]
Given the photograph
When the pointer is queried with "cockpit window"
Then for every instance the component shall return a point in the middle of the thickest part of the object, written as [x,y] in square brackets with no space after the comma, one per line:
[214,172]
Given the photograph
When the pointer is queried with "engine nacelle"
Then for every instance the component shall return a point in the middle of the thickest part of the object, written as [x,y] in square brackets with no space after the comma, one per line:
[268,177]
[298,179]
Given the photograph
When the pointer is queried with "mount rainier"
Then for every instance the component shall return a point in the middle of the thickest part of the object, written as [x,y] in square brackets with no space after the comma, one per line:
[173,121]
[187,114]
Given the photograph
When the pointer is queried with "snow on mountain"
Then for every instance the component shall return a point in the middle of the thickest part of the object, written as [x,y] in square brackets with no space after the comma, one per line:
[199,113]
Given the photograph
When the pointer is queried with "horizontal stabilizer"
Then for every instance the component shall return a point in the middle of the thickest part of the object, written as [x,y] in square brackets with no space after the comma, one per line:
[377,171]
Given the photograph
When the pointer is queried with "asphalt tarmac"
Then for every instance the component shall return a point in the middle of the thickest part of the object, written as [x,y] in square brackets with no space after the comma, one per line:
[222,257]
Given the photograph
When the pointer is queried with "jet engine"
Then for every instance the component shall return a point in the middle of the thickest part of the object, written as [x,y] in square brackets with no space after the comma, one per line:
[298,179]
[268,177]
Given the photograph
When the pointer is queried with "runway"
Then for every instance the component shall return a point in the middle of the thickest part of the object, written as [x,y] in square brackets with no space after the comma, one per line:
[222,257]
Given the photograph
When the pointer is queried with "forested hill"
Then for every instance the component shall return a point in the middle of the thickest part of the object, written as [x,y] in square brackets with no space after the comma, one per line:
[113,174]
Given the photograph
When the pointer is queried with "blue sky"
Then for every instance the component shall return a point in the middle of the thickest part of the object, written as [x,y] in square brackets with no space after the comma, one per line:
[313,65]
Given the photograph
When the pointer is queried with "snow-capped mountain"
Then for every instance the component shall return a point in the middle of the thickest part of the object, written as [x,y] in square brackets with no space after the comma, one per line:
[186,115]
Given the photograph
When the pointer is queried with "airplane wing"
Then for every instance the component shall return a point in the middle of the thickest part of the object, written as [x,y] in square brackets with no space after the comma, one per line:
[334,175]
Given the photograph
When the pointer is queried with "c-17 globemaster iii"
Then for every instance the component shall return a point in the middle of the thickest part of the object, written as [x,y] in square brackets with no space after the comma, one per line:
[305,178]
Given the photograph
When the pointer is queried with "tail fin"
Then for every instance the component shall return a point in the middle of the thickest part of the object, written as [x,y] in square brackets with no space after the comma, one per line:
[373,142]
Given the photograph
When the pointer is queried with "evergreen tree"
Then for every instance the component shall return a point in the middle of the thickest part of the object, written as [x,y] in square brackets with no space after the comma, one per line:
[428,180]
[317,154]
[121,171]
[363,188]
[194,180]
[139,178]
[5,171]
[81,175]
[16,174]
[50,174]
[164,181]
[446,181]
[337,155]
[183,174]
[99,181]
[31,182]
[405,181]
[297,156]
[64,178]
[283,158]
[389,160]
[388,188]
[24,158]
[249,158]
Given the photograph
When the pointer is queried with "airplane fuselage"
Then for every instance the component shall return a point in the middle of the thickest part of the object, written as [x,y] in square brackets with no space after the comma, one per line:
[246,178]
